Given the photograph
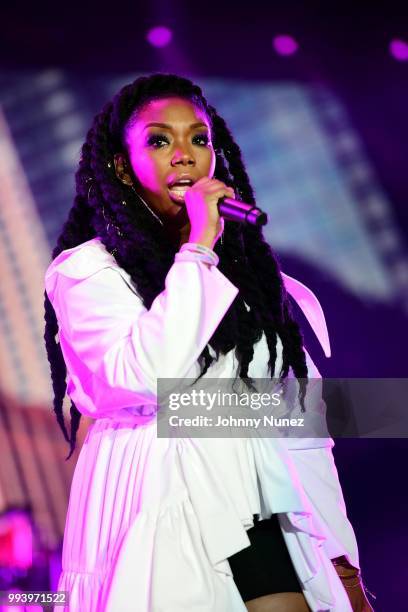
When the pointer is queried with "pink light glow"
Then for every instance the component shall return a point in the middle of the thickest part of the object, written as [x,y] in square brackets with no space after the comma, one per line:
[285,44]
[160,36]
[16,541]
[399,49]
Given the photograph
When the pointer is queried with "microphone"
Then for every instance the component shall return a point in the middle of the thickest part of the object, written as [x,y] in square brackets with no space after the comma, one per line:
[233,210]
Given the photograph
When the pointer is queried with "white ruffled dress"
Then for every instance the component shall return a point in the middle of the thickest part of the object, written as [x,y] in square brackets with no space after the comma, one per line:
[152,521]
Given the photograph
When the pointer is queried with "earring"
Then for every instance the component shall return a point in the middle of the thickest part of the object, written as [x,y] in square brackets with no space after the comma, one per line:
[90,181]
[118,232]
[147,206]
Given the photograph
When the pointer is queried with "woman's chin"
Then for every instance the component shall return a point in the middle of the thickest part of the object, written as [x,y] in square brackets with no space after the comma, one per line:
[179,203]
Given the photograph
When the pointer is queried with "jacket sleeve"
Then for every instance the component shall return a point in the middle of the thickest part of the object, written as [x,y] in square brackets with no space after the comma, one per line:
[319,477]
[114,348]
[315,465]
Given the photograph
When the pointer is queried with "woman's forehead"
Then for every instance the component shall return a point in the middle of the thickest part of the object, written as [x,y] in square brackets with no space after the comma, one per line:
[170,109]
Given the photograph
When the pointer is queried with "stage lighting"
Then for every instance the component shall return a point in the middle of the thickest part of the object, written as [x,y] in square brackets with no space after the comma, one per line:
[285,45]
[160,36]
[399,49]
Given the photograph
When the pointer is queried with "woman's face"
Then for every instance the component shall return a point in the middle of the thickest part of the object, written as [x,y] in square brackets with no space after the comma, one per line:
[169,140]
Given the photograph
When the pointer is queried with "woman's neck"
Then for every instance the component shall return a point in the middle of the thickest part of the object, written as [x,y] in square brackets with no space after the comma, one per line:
[185,233]
[178,228]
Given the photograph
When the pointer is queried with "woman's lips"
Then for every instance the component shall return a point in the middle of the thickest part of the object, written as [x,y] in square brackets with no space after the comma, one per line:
[178,192]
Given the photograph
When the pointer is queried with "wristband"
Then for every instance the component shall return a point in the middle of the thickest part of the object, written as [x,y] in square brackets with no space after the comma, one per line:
[194,256]
[200,252]
[197,247]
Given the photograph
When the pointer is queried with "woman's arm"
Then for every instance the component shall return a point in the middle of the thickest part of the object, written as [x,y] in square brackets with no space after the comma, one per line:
[114,348]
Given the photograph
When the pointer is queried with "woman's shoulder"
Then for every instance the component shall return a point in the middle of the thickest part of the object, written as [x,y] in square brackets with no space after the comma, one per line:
[79,262]
[82,260]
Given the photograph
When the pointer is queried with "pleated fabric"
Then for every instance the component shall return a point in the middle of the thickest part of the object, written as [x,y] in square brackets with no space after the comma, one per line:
[132,539]
[152,521]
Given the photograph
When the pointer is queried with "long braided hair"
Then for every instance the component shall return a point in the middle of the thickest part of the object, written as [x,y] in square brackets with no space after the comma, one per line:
[107,208]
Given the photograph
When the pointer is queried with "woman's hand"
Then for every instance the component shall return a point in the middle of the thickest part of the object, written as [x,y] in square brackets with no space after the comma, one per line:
[351,579]
[201,203]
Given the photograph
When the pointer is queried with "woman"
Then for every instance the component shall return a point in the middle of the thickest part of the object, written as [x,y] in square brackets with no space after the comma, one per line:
[147,282]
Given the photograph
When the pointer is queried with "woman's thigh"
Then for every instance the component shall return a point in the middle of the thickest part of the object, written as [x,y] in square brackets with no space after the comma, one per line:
[278,602]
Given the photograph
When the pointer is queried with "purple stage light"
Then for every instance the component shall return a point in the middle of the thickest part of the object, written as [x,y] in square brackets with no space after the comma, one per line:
[160,36]
[399,49]
[285,45]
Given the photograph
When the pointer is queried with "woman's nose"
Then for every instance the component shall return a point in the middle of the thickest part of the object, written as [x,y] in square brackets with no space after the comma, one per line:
[182,156]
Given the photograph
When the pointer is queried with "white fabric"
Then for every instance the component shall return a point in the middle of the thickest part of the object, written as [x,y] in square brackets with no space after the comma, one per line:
[311,308]
[151,521]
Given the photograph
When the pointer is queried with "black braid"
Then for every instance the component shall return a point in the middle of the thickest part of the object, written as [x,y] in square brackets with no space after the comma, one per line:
[107,208]
[261,261]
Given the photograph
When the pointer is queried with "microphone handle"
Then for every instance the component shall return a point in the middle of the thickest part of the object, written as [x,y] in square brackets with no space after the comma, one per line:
[233,210]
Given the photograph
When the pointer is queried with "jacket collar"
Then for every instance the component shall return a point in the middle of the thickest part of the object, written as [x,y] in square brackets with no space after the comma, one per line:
[311,308]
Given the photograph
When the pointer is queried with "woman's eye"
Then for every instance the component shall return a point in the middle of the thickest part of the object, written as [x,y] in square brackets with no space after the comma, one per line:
[155,139]
[203,137]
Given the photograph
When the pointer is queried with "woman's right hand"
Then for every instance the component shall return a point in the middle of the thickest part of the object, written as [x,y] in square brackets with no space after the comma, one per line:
[206,225]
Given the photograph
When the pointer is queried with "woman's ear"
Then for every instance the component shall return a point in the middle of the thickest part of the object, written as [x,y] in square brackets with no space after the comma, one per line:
[122,169]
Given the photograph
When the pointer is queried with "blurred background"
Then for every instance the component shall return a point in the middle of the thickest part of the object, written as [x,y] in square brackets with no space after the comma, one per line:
[316,95]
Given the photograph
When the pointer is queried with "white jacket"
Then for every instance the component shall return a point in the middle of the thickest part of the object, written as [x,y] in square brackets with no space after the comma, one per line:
[152,521]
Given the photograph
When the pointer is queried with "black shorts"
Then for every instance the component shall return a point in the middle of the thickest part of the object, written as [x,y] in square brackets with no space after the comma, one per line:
[265,567]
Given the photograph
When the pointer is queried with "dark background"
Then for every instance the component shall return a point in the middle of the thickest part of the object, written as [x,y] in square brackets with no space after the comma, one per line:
[344,46]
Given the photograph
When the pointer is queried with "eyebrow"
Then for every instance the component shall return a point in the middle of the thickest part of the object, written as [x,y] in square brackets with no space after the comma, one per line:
[169,127]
